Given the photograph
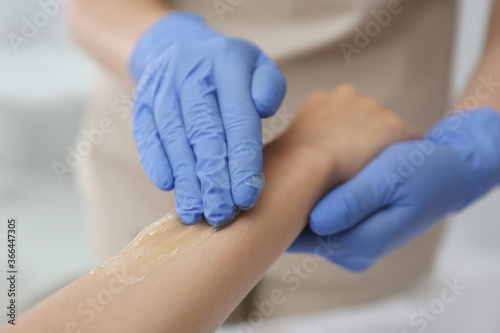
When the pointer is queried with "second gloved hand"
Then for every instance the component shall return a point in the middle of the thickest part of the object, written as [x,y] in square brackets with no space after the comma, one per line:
[197,115]
[405,190]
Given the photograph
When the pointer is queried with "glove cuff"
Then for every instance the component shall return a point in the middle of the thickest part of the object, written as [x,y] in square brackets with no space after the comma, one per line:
[475,137]
[171,28]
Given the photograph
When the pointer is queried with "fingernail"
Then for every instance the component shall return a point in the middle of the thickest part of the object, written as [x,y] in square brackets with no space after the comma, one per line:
[246,194]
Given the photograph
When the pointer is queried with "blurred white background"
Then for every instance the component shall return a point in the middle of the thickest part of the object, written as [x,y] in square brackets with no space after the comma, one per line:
[43,93]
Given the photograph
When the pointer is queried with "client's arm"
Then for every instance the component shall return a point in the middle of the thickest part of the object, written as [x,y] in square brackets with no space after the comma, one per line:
[110,29]
[333,136]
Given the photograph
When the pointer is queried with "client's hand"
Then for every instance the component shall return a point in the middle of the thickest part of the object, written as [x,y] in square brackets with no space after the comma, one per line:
[346,128]
[406,189]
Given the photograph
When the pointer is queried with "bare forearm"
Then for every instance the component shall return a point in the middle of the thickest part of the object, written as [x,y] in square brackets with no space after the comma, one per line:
[109,29]
[196,291]
[484,86]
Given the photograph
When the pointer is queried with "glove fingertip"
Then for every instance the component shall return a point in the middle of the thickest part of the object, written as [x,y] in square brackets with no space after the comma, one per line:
[245,195]
[157,168]
[218,211]
[187,216]
[189,204]
[268,90]
[339,210]
[319,224]
[165,184]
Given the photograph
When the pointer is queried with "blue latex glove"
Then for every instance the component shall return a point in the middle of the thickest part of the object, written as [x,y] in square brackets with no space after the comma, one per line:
[197,113]
[405,190]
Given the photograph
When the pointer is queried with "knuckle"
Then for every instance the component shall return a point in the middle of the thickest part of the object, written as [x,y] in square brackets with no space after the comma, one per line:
[238,108]
[231,44]
[251,149]
[224,44]
[240,120]
[396,121]
[372,104]
[345,89]
[204,130]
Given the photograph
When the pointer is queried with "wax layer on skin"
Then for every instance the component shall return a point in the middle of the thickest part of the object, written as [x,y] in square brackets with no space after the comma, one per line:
[154,246]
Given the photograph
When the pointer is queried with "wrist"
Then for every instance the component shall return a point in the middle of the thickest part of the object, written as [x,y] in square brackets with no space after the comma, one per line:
[308,166]
[338,161]
[175,26]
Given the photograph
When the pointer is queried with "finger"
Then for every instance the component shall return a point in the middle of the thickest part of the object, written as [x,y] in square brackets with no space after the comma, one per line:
[304,243]
[329,247]
[168,119]
[206,134]
[370,240]
[151,153]
[268,87]
[233,76]
[353,201]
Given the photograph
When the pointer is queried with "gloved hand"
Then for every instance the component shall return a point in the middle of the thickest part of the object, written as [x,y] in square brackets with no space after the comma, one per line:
[405,190]
[197,111]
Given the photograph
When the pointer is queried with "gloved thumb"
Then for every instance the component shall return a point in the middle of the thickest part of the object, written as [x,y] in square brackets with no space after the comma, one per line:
[351,202]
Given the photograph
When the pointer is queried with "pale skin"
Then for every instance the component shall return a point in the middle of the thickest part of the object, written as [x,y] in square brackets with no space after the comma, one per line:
[333,136]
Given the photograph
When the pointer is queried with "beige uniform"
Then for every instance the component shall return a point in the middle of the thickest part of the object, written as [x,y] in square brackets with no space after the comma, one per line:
[398,54]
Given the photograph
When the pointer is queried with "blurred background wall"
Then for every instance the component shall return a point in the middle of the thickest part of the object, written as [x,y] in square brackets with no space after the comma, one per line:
[44,88]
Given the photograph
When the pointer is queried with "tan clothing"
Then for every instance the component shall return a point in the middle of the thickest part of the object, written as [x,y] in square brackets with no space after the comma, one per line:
[405,66]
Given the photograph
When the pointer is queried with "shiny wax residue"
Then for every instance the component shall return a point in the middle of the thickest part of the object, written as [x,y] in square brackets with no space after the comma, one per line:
[154,246]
